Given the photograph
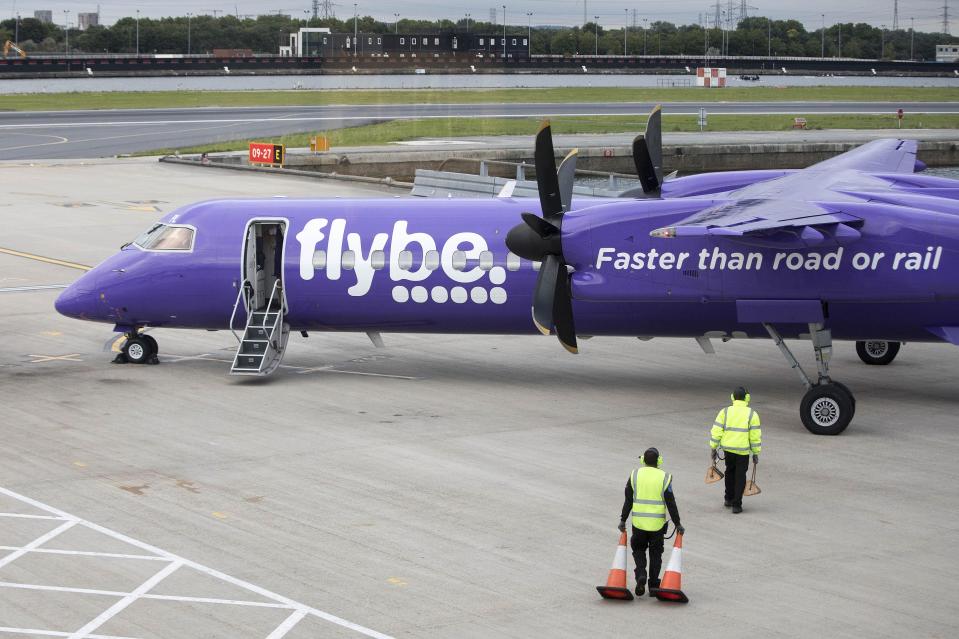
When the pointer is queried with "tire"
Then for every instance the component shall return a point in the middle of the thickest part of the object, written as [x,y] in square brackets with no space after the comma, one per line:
[851,396]
[137,350]
[877,352]
[826,409]
[154,347]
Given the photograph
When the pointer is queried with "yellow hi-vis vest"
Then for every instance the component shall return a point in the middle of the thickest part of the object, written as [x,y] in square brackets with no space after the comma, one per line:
[649,508]
[736,430]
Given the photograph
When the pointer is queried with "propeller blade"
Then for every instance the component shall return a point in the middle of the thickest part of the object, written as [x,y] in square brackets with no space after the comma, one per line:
[566,176]
[654,141]
[543,228]
[545,293]
[648,153]
[547,181]
[563,313]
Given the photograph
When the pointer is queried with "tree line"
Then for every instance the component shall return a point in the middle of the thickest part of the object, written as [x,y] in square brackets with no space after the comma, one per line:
[754,36]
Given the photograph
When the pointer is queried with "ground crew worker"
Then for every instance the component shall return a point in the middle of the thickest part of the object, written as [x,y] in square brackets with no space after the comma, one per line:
[736,430]
[649,493]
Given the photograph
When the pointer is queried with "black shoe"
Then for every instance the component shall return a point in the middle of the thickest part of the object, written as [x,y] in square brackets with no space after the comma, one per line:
[737,510]
[652,589]
[640,590]
[727,503]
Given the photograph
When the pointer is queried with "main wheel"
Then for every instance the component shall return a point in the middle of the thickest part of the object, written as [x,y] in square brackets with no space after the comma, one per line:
[137,350]
[154,347]
[877,352]
[826,409]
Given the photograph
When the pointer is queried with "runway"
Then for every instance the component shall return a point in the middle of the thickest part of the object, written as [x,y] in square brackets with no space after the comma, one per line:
[107,133]
[443,486]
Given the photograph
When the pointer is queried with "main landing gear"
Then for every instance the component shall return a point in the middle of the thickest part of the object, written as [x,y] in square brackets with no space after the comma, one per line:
[138,348]
[877,352]
[828,406]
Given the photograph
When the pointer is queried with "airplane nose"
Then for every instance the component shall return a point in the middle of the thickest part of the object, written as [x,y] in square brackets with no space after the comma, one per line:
[77,301]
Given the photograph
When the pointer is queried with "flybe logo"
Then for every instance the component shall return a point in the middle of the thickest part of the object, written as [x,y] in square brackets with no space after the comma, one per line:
[408,259]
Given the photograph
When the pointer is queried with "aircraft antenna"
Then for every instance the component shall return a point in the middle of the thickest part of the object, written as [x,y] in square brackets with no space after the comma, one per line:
[945,17]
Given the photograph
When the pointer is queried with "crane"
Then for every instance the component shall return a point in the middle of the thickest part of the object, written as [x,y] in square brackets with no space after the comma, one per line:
[8,46]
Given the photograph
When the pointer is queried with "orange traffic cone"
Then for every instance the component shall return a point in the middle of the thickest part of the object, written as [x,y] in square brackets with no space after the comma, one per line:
[615,587]
[670,587]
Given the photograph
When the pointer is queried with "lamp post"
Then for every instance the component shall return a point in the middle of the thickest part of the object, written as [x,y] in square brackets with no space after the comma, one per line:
[769,38]
[468,16]
[645,33]
[839,51]
[529,35]
[16,31]
[355,41]
[596,31]
[138,32]
[396,23]
[189,34]
[625,31]
[822,51]
[882,46]
[66,28]
[504,32]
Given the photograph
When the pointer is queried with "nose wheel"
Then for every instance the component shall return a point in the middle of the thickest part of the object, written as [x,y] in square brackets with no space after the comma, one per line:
[138,348]
[828,406]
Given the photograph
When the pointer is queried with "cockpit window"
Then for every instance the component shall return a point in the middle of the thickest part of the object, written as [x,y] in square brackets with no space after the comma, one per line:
[164,237]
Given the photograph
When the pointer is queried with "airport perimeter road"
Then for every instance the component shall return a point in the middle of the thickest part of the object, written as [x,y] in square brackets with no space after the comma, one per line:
[442,487]
[85,134]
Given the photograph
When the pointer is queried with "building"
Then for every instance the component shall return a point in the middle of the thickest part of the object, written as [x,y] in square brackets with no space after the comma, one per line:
[322,43]
[87,20]
[43,15]
[947,52]
[308,41]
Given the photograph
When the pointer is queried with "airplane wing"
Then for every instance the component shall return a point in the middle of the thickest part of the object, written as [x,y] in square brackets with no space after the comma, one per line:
[773,222]
[770,213]
[878,156]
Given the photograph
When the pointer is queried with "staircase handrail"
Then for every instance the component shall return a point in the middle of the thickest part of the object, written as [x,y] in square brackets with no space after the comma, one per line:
[246,305]
[277,285]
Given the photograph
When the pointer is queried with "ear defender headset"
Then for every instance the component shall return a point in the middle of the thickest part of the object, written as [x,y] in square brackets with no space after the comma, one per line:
[655,451]
[744,392]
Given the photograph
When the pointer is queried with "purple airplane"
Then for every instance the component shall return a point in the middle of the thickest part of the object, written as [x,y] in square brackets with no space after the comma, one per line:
[858,247]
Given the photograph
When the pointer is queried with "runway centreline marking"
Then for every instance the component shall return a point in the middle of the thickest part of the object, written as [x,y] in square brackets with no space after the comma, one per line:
[46,260]
[299,610]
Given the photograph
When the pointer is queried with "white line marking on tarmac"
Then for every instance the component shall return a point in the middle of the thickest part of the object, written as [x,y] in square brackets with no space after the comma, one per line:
[175,560]
[59,140]
[53,633]
[85,553]
[45,287]
[116,593]
[36,543]
[119,606]
[287,625]
[29,517]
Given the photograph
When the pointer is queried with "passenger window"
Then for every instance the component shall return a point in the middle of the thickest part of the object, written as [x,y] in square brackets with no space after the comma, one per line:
[413,41]
[432,260]
[369,41]
[514,42]
[486,260]
[319,259]
[406,260]
[378,260]
[512,262]
[481,41]
[349,260]
[459,260]
[436,42]
[402,40]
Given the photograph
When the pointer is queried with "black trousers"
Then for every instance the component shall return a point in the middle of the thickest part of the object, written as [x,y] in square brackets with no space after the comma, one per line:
[736,466]
[653,541]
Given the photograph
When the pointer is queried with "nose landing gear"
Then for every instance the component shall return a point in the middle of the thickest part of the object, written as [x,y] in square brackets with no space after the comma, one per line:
[138,348]
[828,407]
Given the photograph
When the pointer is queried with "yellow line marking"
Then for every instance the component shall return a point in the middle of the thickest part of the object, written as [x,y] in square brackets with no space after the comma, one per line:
[219,515]
[48,260]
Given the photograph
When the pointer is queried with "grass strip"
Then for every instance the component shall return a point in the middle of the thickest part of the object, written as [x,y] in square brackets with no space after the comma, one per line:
[280,97]
[403,130]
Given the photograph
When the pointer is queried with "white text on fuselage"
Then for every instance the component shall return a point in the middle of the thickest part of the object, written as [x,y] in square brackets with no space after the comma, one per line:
[364,262]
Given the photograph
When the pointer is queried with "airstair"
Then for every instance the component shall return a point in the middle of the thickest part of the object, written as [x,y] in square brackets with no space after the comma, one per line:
[265,335]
